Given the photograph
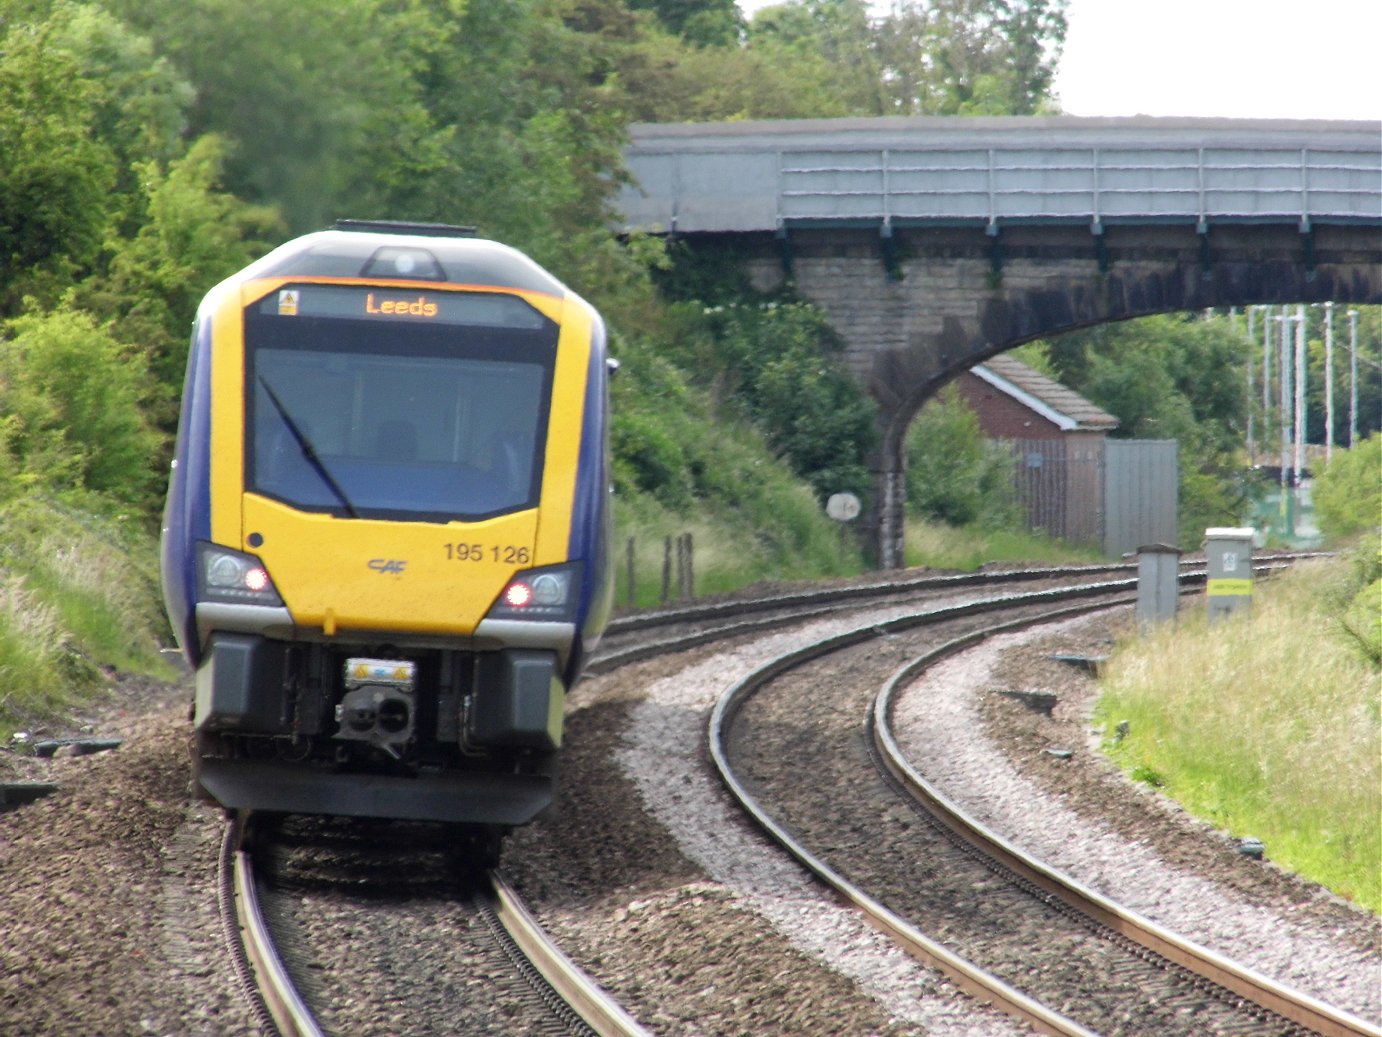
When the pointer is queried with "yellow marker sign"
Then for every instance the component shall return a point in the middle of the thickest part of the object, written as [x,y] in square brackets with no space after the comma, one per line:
[1229,588]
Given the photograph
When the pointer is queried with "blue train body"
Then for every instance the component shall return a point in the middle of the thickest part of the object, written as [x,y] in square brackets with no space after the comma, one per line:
[386,539]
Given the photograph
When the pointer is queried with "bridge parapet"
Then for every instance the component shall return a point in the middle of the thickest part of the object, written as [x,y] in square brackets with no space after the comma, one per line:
[766,176]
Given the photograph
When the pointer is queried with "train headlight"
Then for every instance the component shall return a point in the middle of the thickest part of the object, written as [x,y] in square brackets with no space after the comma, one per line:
[548,594]
[226,575]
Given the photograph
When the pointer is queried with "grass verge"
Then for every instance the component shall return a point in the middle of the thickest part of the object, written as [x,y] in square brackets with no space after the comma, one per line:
[968,548]
[729,549]
[1266,724]
[76,601]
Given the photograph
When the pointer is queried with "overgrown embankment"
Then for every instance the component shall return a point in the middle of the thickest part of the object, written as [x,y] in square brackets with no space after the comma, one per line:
[1268,724]
[78,603]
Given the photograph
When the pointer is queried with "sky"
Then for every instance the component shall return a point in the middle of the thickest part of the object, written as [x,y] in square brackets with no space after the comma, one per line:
[1270,59]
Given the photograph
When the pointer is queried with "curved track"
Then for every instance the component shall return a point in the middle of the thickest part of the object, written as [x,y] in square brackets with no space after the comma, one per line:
[586,1008]
[1148,961]
[1252,987]
[645,635]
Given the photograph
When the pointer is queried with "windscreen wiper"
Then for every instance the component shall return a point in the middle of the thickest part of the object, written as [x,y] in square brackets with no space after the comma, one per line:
[308,451]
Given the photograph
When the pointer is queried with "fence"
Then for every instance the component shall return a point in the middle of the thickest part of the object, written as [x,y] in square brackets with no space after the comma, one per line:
[1117,494]
[679,555]
[1141,494]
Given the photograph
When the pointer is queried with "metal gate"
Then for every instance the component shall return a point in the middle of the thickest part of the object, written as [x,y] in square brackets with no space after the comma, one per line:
[1141,494]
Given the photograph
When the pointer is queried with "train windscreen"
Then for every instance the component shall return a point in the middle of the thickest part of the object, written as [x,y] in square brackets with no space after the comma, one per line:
[428,406]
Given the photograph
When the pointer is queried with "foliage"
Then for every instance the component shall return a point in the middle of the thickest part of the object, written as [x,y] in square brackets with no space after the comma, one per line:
[77,596]
[782,366]
[1266,725]
[969,57]
[71,395]
[1171,376]
[329,115]
[1353,593]
[193,235]
[937,57]
[138,99]
[57,175]
[836,32]
[953,474]
[1348,493]
[701,22]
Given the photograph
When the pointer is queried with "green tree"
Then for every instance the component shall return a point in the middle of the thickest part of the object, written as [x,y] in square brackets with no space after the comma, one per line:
[140,104]
[782,361]
[56,176]
[925,57]
[193,236]
[1348,493]
[72,398]
[663,79]
[332,116]
[970,57]
[1166,376]
[701,22]
[1170,376]
[953,475]
[836,32]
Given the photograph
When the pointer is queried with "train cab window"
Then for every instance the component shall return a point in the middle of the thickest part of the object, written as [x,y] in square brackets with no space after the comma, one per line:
[398,417]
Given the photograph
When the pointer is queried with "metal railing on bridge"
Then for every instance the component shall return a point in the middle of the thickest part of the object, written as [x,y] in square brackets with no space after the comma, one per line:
[1085,184]
[766,176]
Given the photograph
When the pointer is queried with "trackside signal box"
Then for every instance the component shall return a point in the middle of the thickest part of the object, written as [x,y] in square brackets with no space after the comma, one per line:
[1228,554]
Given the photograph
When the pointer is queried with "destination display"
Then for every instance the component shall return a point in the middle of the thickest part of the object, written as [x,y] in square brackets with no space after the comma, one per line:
[394,304]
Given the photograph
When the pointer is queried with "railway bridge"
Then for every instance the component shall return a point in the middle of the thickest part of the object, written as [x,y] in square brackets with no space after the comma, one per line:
[935,243]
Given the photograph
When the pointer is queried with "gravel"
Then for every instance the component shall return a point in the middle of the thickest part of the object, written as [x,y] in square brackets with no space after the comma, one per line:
[1110,834]
[110,921]
[645,872]
[654,723]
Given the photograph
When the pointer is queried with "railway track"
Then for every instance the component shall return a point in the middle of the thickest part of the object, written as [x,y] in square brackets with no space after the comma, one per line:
[484,964]
[646,635]
[282,987]
[675,630]
[1135,977]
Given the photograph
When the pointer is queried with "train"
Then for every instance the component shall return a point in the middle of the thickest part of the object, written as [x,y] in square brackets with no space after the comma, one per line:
[385,548]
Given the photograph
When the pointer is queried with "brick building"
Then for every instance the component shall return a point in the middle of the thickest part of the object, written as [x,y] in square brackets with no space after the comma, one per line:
[1058,438]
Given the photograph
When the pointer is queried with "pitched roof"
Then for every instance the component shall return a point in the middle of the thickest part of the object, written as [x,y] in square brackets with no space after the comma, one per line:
[1058,403]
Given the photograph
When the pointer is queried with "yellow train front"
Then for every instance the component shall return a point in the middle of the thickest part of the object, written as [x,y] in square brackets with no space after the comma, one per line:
[385,543]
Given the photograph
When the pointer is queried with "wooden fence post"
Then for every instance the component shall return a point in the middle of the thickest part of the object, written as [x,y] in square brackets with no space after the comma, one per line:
[666,569]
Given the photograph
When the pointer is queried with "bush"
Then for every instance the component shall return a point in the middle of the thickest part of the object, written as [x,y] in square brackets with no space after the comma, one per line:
[784,358]
[73,399]
[1348,493]
[953,475]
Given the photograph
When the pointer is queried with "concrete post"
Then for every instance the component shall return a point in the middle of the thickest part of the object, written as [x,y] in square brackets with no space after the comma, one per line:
[1158,583]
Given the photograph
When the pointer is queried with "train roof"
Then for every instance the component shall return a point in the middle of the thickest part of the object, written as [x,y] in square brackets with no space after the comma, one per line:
[411,252]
